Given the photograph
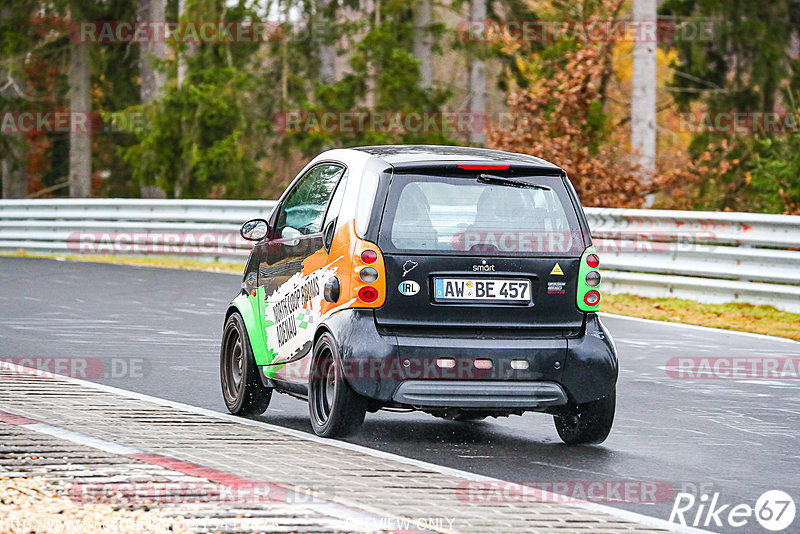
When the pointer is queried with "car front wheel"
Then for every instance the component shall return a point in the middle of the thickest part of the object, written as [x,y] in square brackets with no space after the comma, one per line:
[242,389]
[335,409]
[589,423]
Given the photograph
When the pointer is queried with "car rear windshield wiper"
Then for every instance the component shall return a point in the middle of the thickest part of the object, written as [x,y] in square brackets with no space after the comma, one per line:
[499,180]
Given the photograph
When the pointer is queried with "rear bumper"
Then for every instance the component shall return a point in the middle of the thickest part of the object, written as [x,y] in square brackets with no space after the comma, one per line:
[403,370]
[479,394]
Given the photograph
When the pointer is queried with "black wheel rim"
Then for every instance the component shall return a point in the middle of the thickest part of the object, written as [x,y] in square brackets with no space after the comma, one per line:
[232,364]
[323,387]
[569,423]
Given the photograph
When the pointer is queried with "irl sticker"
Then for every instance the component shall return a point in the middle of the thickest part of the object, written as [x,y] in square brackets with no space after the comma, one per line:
[408,288]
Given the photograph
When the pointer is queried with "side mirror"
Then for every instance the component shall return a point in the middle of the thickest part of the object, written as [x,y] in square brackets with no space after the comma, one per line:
[291,236]
[254,229]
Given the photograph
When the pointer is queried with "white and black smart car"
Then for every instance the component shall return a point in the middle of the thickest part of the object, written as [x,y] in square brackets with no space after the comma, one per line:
[457,281]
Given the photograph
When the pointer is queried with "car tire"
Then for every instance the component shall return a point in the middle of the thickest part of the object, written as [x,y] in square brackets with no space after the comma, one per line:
[242,390]
[335,409]
[589,423]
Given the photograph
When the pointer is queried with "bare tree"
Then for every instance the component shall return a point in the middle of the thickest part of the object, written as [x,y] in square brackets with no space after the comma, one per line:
[15,179]
[423,17]
[643,97]
[326,18]
[12,162]
[153,77]
[181,59]
[477,75]
[80,139]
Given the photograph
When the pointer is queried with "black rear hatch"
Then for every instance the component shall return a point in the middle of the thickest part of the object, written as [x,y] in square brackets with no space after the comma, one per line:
[480,252]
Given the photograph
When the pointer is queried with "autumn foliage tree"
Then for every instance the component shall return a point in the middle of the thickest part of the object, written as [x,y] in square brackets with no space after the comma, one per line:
[562,120]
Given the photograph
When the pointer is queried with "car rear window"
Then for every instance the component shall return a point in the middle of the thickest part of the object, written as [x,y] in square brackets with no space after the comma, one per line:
[463,215]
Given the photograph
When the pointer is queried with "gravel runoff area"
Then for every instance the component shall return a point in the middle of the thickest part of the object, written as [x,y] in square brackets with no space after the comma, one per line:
[115,452]
[40,505]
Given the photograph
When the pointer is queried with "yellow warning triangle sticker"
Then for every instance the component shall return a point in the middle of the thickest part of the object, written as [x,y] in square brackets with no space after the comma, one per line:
[557,270]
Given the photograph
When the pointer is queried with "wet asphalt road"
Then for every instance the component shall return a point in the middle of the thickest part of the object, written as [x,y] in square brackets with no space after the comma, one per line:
[162,327]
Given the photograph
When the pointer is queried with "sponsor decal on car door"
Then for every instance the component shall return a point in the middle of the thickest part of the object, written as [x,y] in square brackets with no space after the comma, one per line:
[292,313]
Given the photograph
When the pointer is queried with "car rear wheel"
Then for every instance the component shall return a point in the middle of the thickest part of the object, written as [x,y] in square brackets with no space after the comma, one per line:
[335,409]
[589,423]
[242,389]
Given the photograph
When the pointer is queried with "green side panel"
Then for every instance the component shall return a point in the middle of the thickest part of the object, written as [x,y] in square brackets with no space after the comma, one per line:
[583,287]
[248,307]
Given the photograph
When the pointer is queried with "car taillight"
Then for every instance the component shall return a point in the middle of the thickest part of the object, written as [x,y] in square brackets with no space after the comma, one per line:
[592,298]
[369,256]
[367,268]
[368,294]
[368,275]
[588,294]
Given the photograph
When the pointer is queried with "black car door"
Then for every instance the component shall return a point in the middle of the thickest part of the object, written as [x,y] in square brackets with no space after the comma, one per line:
[295,234]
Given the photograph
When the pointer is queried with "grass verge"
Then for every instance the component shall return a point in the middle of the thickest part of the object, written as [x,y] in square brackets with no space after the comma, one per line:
[731,316]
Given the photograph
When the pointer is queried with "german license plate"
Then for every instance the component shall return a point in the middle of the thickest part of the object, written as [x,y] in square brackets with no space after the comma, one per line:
[483,290]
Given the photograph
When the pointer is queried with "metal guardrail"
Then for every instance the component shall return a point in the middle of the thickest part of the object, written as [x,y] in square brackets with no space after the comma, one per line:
[705,256]
[201,229]
[711,257]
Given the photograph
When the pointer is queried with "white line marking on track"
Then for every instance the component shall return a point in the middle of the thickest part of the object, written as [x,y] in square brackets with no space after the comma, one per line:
[84,439]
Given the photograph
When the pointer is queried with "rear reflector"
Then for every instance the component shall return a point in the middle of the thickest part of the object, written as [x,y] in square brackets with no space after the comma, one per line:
[592,298]
[446,363]
[368,294]
[483,167]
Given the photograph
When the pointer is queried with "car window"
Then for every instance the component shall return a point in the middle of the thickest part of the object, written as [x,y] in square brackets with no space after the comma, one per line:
[462,215]
[336,201]
[304,207]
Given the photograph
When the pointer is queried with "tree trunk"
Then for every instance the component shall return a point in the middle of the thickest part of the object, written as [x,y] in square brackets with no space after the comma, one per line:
[643,94]
[13,161]
[423,41]
[326,18]
[371,96]
[80,140]
[153,77]
[15,178]
[181,58]
[477,76]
